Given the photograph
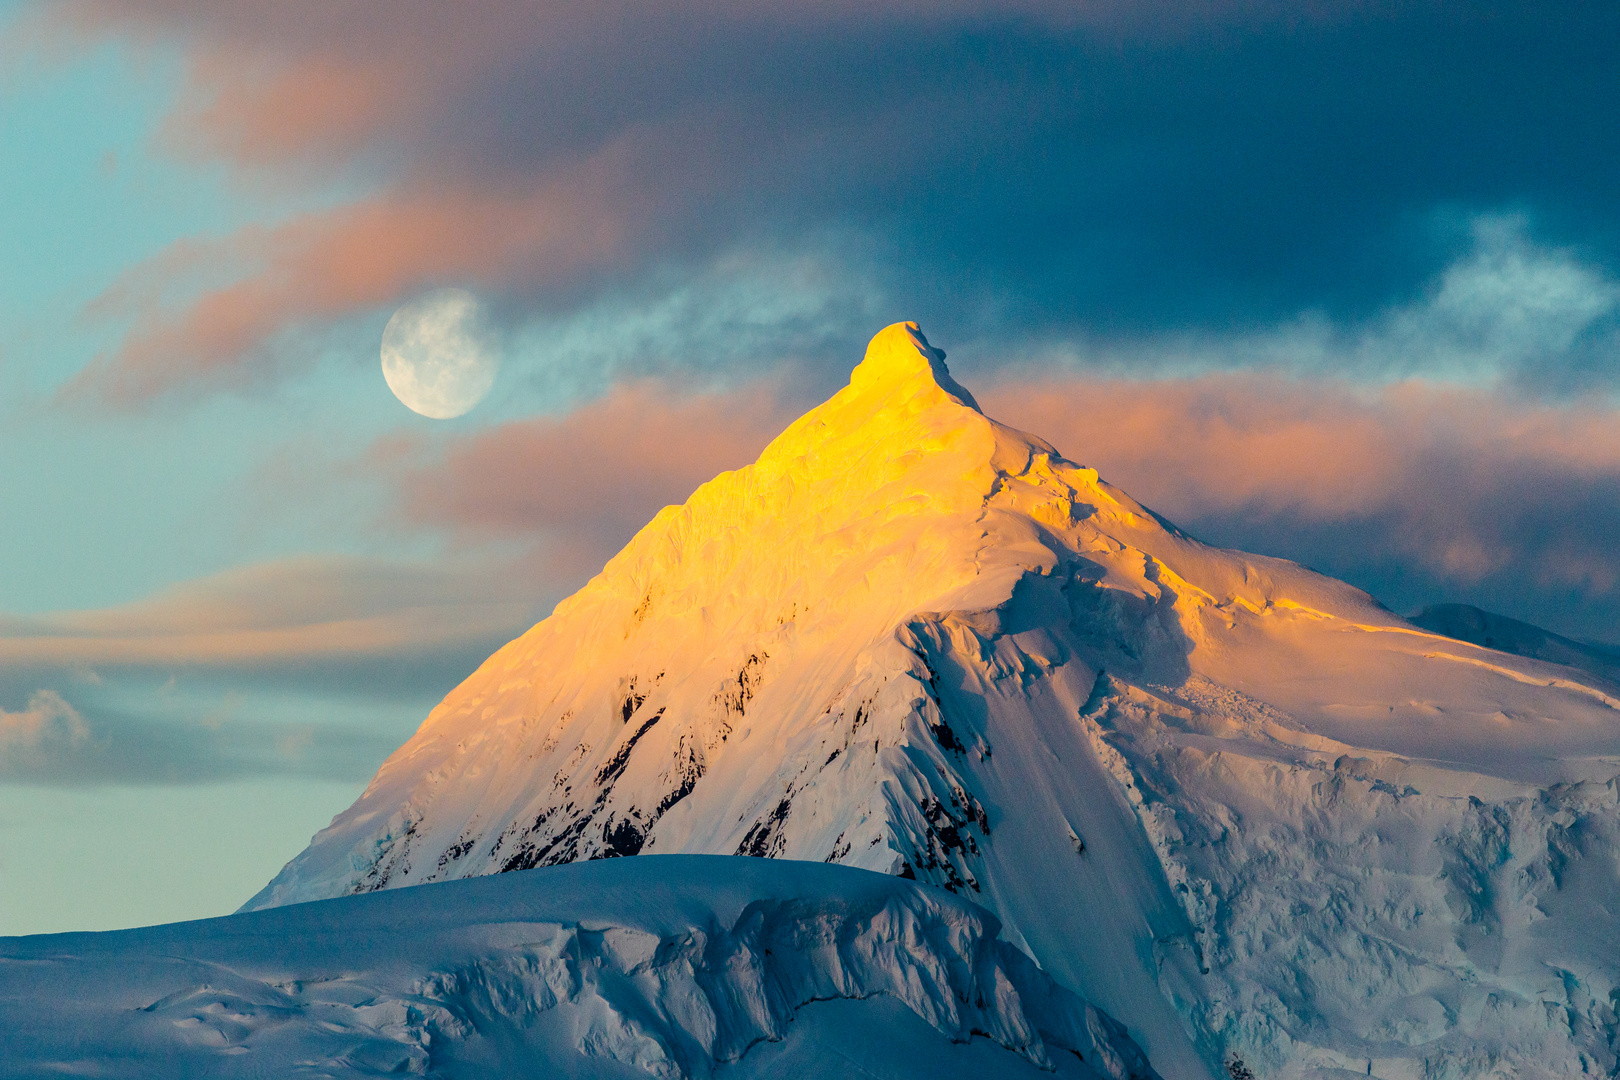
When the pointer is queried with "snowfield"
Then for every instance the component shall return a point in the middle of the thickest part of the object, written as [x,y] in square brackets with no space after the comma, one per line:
[1268,825]
[680,966]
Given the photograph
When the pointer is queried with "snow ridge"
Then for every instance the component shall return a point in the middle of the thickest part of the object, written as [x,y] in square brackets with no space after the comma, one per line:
[500,971]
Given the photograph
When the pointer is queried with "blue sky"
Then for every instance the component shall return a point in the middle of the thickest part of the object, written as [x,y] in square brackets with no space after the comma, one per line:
[1340,284]
[103,509]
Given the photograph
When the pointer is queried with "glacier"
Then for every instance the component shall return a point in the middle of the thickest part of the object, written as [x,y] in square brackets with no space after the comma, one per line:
[1268,825]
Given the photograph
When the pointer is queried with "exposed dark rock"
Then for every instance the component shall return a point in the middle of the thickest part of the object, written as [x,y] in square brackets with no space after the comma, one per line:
[615,765]
[763,839]
[624,838]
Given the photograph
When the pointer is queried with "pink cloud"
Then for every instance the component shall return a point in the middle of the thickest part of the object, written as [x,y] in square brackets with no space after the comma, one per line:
[577,487]
[270,114]
[322,266]
[291,611]
[1466,483]
[47,722]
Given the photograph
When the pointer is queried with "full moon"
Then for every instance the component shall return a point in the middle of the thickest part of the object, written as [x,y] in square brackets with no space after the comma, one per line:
[438,354]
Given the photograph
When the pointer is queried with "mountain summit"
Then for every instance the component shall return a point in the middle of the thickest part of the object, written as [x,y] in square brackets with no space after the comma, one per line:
[1267,824]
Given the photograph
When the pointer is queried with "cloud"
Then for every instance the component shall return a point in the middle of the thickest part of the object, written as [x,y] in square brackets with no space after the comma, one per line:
[1416,491]
[1115,171]
[1506,310]
[1419,490]
[1509,308]
[114,747]
[296,617]
[573,489]
[322,266]
[315,667]
[735,316]
[44,727]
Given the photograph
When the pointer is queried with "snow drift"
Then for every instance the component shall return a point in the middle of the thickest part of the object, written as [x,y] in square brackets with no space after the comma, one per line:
[1266,823]
[685,966]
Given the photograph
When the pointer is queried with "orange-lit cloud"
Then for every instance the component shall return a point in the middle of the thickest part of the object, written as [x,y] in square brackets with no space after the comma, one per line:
[47,719]
[292,612]
[579,486]
[307,666]
[322,266]
[271,113]
[1463,483]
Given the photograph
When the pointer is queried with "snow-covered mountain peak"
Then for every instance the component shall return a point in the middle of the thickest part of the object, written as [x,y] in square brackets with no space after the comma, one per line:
[892,495]
[900,360]
[913,640]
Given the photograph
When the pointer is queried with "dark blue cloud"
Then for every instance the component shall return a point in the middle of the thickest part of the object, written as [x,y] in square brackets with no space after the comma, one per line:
[1004,175]
[1019,176]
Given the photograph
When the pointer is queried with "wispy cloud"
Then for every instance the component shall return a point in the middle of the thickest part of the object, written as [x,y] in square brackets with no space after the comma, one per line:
[734,317]
[314,667]
[290,613]
[51,742]
[321,267]
[1417,491]
[1506,310]
[1510,309]
[44,727]
[1112,173]
[570,490]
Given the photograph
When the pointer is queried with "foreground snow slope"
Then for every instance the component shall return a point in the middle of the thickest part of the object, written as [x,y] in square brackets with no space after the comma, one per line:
[1237,804]
[683,966]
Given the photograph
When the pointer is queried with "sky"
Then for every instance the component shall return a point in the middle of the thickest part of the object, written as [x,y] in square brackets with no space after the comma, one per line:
[1338,282]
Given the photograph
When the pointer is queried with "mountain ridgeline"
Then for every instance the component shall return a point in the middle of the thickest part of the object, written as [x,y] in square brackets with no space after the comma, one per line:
[1269,826]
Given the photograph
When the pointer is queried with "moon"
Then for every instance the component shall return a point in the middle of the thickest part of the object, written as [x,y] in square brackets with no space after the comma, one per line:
[438,354]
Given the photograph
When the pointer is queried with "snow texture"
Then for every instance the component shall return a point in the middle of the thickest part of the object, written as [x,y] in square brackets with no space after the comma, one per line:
[679,966]
[1270,826]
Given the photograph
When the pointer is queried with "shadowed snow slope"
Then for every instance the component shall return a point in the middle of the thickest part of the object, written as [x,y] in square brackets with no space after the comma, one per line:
[1486,628]
[681,966]
[1238,805]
